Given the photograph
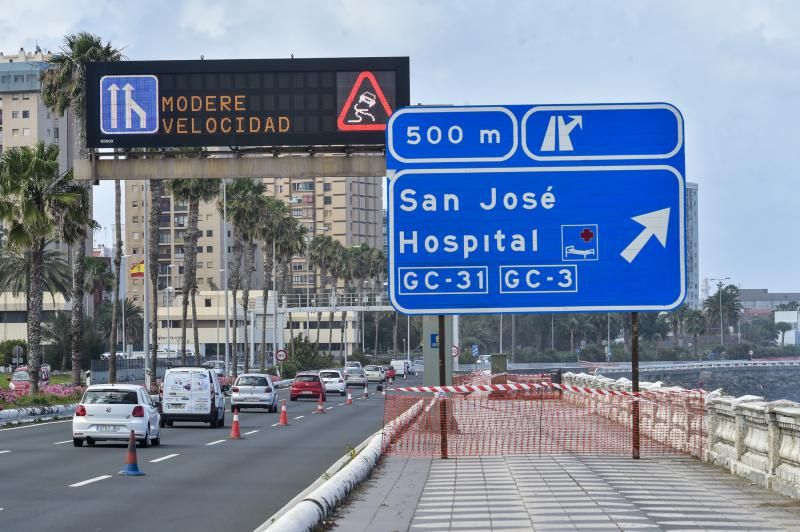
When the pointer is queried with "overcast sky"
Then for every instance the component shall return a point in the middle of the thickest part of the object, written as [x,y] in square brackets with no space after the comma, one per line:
[732,68]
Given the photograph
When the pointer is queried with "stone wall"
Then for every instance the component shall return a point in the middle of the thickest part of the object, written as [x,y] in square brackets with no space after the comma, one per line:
[750,437]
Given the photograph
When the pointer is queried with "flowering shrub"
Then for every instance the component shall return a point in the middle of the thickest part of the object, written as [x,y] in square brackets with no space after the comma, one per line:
[61,390]
[49,394]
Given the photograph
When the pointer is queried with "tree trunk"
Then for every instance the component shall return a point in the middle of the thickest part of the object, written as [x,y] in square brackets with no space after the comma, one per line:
[34,297]
[190,272]
[330,317]
[112,347]
[195,331]
[571,341]
[377,326]
[262,362]
[233,284]
[156,191]
[394,334]
[249,268]
[76,316]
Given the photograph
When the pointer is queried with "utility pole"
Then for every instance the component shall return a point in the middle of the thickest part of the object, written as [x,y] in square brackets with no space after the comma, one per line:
[719,290]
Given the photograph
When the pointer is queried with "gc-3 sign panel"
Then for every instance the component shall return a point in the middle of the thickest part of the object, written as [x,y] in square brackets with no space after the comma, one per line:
[258,102]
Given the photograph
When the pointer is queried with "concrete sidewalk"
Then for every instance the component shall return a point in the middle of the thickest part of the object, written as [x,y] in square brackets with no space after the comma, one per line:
[549,493]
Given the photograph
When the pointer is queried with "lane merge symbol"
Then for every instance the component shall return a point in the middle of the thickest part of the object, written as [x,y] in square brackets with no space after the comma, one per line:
[129,104]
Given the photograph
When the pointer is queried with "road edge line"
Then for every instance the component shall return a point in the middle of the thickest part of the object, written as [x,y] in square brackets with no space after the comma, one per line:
[320,498]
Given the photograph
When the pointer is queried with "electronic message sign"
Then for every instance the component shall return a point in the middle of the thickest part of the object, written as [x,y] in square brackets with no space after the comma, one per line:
[569,208]
[247,102]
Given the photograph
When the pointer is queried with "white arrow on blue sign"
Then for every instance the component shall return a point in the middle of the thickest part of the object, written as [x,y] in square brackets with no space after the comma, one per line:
[129,104]
[536,209]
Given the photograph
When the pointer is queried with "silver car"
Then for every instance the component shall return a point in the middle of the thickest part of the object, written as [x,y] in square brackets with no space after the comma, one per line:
[375,373]
[254,390]
[355,377]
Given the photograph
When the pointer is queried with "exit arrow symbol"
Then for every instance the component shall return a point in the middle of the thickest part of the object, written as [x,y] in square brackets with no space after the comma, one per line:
[655,224]
[113,90]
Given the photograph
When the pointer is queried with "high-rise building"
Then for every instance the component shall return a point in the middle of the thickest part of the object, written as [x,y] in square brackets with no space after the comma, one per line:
[24,119]
[692,249]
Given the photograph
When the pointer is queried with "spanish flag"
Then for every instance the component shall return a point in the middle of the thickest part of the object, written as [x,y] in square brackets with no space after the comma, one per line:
[137,270]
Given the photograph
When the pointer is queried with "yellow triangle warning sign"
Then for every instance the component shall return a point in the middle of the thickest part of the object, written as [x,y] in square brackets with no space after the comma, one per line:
[366,107]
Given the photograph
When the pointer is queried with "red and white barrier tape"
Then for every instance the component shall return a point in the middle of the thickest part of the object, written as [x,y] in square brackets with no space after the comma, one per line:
[510,387]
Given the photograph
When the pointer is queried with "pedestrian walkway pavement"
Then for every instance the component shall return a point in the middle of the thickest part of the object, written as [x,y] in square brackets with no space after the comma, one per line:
[559,493]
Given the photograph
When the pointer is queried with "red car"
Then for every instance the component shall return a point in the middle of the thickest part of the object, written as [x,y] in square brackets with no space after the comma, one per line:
[21,380]
[390,372]
[307,385]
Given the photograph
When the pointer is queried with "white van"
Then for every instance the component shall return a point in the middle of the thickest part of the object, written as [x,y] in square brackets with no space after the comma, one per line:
[402,368]
[192,394]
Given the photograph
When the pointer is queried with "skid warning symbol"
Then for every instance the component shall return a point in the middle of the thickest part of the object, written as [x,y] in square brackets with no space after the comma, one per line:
[366,107]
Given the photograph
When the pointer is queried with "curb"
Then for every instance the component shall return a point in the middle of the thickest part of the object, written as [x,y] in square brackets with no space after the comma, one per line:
[318,500]
[35,412]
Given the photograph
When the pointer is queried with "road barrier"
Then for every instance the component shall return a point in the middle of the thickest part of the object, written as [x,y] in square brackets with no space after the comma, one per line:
[538,416]
[131,468]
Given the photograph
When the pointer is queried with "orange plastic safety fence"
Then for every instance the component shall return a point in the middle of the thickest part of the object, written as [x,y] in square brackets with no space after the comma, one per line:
[549,422]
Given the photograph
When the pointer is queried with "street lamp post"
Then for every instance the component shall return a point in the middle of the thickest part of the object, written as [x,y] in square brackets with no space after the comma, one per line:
[719,289]
[169,289]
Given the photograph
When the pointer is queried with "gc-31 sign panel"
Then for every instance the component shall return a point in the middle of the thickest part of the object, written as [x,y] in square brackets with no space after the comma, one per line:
[248,102]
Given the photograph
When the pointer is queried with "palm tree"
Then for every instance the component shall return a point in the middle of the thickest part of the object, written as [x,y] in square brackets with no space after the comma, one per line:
[99,278]
[320,253]
[55,271]
[731,307]
[475,330]
[695,324]
[55,332]
[112,340]
[34,200]
[291,241]
[64,87]
[193,192]
[245,205]
[348,270]
[269,230]
[336,269]
[377,272]
[156,192]
[133,320]
[783,328]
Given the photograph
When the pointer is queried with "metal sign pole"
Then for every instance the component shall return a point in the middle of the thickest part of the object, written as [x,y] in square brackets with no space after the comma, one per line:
[442,382]
[635,382]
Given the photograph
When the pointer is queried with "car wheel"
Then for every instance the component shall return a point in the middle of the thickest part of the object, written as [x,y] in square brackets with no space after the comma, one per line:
[222,420]
[214,420]
[90,442]
[145,442]
[157,440]
[170,423]
[162,423]
[77,442]
[343,393]
[292,398]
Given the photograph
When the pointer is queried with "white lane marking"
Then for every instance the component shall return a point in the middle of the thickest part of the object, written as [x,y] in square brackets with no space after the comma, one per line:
[95,479]
[37,425]
[61,442]
[341,404]
[4,452]
[215,442]
[275,424]
[299,417]
[251,432]
[329,408]
[157,460]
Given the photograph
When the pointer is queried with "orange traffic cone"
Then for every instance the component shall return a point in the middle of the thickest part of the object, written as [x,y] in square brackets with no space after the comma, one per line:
[366,393]
[349,399]
[283,421]
[235,432]
[383,393]
[131,464]
[320,407]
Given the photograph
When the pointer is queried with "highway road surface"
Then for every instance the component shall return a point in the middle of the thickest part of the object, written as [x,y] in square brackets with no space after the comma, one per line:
[197,479]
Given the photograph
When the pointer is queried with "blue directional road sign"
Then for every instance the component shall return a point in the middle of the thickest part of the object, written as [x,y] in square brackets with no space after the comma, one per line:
[129,104]
[536,208]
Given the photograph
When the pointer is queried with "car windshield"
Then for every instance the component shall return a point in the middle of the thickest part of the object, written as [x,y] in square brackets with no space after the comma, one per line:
[307,378]
[252,381]
[329,374]
[20,376]
[110,397]
[354,372]
[372,368]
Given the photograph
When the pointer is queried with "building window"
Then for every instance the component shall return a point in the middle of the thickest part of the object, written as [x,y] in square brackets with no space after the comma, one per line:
[25,97]
[326,187]
[134,203]
[210,280]
[135,251]
[209,264]
[180,270]
[207,302]
[55,133]
[199,249]
[209,233]
[297,212]
[181,220]
[209,249]
[48,115]
[327,200]
[137,235]
[26,114]
[199,265]
[136,219]
[15,96]
[15,132]
[298,266]
[14,114]
[26,132]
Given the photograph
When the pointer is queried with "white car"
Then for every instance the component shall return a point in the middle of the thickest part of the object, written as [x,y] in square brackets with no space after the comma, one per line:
[254,390]
[375,373]
[192,394]
[112,411]
[333,381]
